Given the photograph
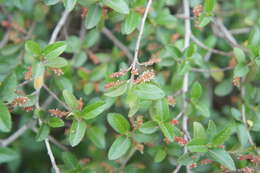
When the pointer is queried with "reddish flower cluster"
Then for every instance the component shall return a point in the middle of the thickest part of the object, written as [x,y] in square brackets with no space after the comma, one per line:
[167,140]
[252,158]
[58,112]
[28,109]
[28,74]
[197,10]
[175,37]
[85,161]
[93,57]
[153,46]
[11,24]
[118,74]
[180,140]
[193,165]
[152,61]
[57,71]
[236,81]
[247,170]
[19,101]
[232,62]
[137,122]
[206,161]
[145,77]
[83,12]
[174,122]
[134,72]
[108,168]
[113,84]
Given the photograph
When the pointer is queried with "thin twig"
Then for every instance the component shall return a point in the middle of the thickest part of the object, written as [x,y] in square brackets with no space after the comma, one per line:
[55,97]
[59,25]
[199,43]
[5,39]
[137,46]
[211,71]
[118,43]
[240,31]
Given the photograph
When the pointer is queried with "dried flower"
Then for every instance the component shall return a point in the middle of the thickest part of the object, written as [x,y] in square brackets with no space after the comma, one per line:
[118,74]
[134,72]
[236,81]
[197,10]
[247,170]
[166,140]
[145,77]
[28,109]
[19,101]
[193,165]
[57,71]
[58,112]
[139,147]
[152,61]
[180,140]
[171,100]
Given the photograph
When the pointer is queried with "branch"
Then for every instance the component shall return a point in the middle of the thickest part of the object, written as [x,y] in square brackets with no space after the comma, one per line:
[137,47]
[199,43]
[118,43]
[211,71]
[4,39]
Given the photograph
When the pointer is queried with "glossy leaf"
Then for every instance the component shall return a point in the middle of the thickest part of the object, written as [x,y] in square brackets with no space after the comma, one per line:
[5,118]
[119,6]
[70,100]
[223,158]
[77,132]
[119,147]
[93,110]
[118,122]
[43,133]
[54,50]
[8,155]
[97,136]
[56,62]
[148,91]
[8,87]
[93,16]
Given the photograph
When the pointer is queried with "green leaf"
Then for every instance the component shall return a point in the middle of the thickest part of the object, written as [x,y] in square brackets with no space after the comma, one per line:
[185,159]
[119,6]
[70,99]
[118,122]
[38,70]
[160,155]
[241,70]
[148,127]
[55,122]
[131,22]
[70,4]
[199,131]
[148,91]
[77,132]
[70,160]
[198,145]
[160,110]
[56,62]
[209,5]
[212,129]
[51,2]
[33,48]
[167,130]
[8,87]
[223,158]
[239,54]
[243,134]
[5,118]
[119,147]
[224,88]
[93,16]
[42,133]
[54,50]
[7,155]
[93,110]
[203,109]
[117,91]
[196,90]
[97,136]
[222,136]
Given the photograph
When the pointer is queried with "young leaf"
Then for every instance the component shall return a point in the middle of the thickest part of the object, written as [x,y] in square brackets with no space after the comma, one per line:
[209,5]
[97,136]
[196,90]
[42,133]
[119,147]
[148,127]
[77,132]
[55,122]
[239,54]
[7,155]
[131,22]
[70,99]
[223,158]
[148,91]
[93,110]
[5,118]
[119,6]
[54,50]
[167,130]
[221,136]
[8,87]
[160,155]
[56,62]
[199,131]
[118,122]
[33,48]
[93,16]
[117,91]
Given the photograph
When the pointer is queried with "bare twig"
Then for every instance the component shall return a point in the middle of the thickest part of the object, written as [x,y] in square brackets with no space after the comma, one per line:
[58,27]
[118,43]
[137,46]
[199,43]
[55,97]
[5,39]
[240,31]
[211,71]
